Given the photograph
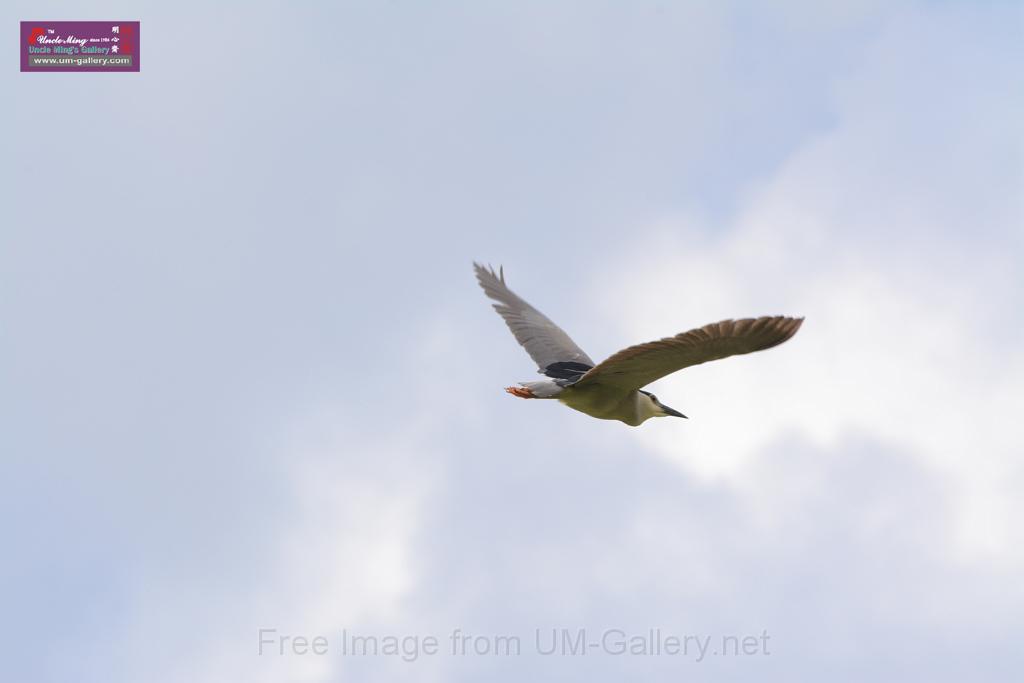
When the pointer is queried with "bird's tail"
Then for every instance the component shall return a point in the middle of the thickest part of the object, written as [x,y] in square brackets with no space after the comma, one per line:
[543,388]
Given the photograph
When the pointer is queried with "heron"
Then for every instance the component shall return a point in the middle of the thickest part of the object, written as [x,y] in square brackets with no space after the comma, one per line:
[613,388]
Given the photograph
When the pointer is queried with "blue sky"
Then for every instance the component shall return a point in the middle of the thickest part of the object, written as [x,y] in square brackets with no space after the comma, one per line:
[251,383]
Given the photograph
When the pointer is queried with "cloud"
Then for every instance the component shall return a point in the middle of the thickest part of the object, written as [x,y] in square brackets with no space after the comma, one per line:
[276,400]
[340,555]
[889,233]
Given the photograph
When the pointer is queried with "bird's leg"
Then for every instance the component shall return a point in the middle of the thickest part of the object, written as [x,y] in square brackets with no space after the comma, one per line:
[520,392]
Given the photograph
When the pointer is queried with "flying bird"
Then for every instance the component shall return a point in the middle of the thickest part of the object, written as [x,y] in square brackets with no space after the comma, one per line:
[613,388]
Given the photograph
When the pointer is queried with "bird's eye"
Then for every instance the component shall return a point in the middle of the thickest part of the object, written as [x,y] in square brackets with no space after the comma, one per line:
[654,398]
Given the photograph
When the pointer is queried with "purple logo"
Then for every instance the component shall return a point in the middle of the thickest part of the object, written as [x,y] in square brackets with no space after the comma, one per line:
[79,46]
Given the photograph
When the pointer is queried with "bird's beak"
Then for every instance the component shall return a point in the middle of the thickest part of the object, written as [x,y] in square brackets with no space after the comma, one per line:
[673,413]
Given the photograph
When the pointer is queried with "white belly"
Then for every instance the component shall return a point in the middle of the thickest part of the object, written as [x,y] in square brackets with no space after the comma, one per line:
[605,403]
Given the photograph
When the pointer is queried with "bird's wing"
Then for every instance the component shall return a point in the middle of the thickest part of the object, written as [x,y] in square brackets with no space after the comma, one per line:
[638,366]
[543,340]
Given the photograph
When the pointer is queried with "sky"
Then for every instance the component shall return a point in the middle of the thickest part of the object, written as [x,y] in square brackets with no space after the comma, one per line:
[250,383]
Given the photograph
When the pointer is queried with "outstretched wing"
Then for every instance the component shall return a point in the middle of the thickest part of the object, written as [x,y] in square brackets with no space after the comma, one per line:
[546,343]
[638,366]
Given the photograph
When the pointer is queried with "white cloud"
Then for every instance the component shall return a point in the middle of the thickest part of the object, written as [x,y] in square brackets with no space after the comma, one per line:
[830,489]
[866,232]
[341,555]
[854,490]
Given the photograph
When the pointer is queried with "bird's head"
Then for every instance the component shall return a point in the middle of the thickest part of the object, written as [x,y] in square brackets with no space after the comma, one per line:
[655,408]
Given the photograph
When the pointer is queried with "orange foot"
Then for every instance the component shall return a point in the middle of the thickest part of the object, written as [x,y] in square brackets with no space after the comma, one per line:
[520,392]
